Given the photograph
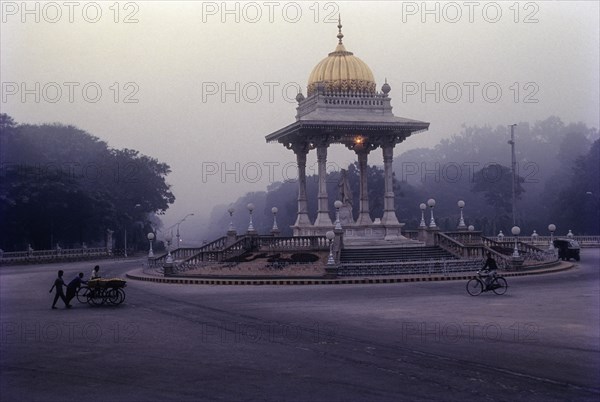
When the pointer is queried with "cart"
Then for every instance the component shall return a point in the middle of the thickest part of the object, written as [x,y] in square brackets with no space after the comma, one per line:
[103,291]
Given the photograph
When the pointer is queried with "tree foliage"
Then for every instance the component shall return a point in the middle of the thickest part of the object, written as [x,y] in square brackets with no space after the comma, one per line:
[63,185]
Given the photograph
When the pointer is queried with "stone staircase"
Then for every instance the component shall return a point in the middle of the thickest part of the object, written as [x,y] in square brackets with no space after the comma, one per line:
[402,261]
[400,254]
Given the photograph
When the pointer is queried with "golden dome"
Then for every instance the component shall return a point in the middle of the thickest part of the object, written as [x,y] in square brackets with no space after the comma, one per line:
[341,71]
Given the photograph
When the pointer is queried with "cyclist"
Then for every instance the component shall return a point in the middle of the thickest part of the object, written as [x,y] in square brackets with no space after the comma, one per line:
[488,272]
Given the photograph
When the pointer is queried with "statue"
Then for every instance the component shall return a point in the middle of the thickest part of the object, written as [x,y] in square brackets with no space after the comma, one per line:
[345,196]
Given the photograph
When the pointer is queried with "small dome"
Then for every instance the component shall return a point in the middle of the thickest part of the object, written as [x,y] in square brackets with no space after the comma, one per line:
[299,97]
[386,88]
[342,71]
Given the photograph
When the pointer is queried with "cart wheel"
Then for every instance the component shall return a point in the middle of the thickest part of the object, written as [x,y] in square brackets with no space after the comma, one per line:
[121,295]
[83,294]
[97,297]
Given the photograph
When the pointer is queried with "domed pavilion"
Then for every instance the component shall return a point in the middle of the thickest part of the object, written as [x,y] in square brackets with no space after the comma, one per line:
[342,106]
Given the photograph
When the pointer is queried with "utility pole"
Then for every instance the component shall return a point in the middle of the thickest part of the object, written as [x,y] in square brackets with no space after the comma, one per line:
[514,173]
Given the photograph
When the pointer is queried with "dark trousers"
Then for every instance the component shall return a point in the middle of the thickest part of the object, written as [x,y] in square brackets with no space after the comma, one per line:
[60,294]
[71,292]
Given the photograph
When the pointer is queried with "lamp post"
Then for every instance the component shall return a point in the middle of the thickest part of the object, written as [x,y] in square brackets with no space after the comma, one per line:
[231,210]
[431,204]
[461,222]
[179,223]
[150,237]
[514,172]
[330,235]
[423,207]
[250,207]
[275,229]
[516,231]
[337,204]
[169,239]
[551,228]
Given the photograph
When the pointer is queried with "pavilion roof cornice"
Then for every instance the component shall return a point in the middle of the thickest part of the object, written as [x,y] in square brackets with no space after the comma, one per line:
[301,128]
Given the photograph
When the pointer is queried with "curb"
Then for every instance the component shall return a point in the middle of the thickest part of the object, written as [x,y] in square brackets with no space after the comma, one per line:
[136,275]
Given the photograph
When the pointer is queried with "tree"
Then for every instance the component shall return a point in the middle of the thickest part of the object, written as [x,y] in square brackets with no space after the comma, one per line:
[495,182]
[63,185]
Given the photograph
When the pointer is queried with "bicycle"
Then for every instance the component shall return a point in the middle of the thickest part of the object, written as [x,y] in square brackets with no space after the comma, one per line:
[476,286]
[101,292]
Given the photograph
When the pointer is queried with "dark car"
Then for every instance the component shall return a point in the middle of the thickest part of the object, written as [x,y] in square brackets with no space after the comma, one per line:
[567,249]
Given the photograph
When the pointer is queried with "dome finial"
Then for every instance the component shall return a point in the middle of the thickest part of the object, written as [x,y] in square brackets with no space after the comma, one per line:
[340,35]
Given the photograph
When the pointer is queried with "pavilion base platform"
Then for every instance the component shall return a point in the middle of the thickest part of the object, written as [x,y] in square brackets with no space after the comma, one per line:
[360,236]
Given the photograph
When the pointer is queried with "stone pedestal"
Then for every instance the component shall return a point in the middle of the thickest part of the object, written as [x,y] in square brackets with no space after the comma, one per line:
[168,268]
[231,237]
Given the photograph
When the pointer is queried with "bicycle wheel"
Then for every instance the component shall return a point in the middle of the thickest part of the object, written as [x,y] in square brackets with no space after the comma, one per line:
[82,294]
[474,287]
[97,297]
[112,296]
[121,293]
[499,285]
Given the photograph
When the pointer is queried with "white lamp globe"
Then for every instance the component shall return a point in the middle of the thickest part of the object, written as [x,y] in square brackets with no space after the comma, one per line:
[516,230]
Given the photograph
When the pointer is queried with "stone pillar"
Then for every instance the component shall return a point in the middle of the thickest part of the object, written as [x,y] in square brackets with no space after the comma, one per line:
[363,217]
[389,211]
[109,241]
[302,219]
[323,218]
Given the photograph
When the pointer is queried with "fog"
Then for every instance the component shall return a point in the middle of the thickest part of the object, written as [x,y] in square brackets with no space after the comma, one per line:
[198,85]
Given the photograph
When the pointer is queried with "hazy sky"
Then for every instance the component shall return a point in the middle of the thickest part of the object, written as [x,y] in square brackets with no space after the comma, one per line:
[198,85]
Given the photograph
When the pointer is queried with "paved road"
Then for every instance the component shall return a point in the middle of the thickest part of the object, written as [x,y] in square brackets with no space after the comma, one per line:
[412,341]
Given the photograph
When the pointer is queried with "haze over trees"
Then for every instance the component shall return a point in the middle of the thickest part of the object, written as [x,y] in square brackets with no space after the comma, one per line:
[557,170]
[61,185]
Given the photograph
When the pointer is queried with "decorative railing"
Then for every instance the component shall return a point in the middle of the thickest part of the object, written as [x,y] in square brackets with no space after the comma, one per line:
[530,254]
[544,241]
[183,253]
[32,256]
[465,237]
[313,243]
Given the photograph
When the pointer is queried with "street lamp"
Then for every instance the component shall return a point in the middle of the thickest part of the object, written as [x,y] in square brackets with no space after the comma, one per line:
[275,229]
[179,223]
[551,228]
[150,237]
[330,235]
[423,208]
[514,172]
[337,204]
[461,222]
[250,207]
[471,229]
[431,204]
[516,231]
[169,239]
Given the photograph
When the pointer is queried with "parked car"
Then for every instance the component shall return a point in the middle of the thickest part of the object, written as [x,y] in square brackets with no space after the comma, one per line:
[567,249]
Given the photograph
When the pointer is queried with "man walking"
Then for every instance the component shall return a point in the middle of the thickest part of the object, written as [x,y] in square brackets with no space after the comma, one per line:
[58,284]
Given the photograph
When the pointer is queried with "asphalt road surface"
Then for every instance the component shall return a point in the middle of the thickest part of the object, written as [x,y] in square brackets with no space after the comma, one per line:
[387,342]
